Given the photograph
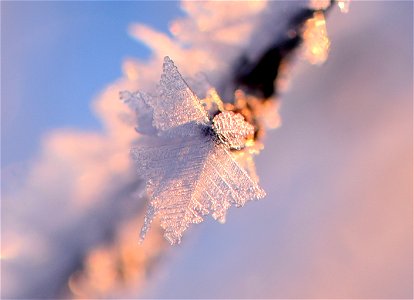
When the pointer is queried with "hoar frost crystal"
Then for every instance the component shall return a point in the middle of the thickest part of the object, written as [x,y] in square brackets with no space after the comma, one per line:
[185,156]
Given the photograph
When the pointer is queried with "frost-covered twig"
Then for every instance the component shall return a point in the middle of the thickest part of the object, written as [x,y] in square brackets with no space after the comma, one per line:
[242,49]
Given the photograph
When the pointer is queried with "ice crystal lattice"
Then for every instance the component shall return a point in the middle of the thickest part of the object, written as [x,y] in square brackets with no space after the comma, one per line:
[231,129]
[186,158]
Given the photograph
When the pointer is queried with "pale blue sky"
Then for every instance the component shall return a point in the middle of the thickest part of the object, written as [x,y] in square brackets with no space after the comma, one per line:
[56,56]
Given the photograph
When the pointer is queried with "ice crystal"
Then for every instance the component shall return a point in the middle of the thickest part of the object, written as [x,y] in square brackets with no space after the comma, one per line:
[231,129]
[186,157]
[176,104]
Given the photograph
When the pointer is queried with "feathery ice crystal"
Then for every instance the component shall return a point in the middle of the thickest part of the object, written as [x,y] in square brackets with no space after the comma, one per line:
[185,156]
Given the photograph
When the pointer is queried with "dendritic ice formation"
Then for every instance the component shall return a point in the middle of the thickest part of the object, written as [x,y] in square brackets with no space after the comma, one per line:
[196,152]
[185,155]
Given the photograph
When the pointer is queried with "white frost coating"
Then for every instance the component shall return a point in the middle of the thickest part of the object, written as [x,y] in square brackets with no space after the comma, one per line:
[232,129]
[188,165]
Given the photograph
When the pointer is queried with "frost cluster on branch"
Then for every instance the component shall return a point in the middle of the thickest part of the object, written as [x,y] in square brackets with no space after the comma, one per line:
[185,156]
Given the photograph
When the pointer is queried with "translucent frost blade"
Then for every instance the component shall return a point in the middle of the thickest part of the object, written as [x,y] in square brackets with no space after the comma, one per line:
[176,103]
